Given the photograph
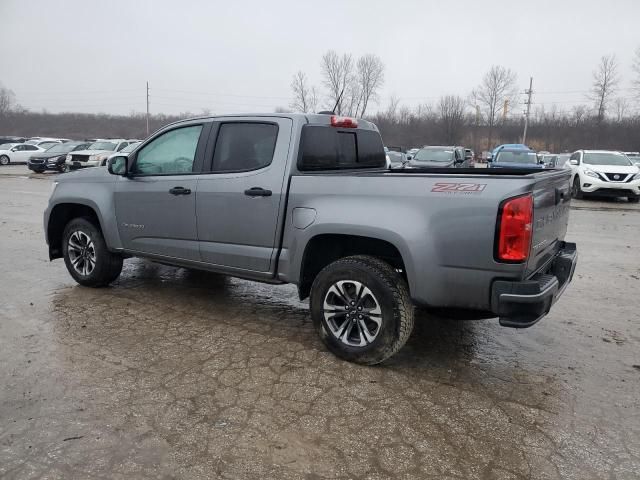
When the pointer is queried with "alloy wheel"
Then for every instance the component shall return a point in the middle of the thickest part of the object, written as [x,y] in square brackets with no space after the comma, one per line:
[82,252]
[352,313]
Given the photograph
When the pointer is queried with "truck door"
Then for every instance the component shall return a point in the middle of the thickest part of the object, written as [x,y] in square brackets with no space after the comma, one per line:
[156,204]
[240,200]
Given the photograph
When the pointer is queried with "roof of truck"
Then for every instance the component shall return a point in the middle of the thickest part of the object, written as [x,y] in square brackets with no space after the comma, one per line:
[315,118]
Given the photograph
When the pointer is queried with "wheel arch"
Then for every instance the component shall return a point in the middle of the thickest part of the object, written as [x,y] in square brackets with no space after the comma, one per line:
[60,215]
[325,248]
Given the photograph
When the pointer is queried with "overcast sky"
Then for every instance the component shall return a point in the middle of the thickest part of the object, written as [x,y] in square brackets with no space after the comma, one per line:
[235,56]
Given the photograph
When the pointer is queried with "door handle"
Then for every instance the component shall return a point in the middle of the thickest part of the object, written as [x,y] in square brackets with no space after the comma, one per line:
[180,191]
[257,192]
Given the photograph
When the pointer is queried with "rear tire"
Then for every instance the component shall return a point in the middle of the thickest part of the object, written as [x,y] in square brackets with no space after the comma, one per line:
[4,160]
[86,255]
[576,192]
[633,199]
[361,309]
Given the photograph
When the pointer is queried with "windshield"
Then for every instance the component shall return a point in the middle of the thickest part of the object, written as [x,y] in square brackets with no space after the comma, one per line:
[102,146]
[129,148]
[562,159]
[434,155]
[517,157]
[46,145]
[606,159]
[62,148]
[396,156]
[6,146]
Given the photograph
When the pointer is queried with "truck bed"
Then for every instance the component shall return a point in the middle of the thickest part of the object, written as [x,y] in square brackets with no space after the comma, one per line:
[443,222]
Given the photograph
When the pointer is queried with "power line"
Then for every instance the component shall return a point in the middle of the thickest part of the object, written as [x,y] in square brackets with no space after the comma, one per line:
[191,92]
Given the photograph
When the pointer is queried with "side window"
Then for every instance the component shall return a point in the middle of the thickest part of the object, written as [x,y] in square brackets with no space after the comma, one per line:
[33,147]
[244,146]
[18,148]
[122,145]
[172,152]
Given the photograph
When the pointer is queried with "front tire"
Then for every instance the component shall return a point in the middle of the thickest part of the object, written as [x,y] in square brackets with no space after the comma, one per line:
[576,192]
[86,255]
[4,160]
[361,308]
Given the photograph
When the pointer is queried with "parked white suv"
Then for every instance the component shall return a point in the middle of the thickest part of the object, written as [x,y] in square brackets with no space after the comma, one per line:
[96,154]
[604,173]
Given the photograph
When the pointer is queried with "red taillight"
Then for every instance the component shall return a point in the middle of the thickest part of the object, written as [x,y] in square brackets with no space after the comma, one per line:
[514,230]
[344,122]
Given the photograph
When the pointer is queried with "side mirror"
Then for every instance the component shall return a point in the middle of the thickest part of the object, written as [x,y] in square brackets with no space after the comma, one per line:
[573,162]
[118,165]
[409,157]
[14,149]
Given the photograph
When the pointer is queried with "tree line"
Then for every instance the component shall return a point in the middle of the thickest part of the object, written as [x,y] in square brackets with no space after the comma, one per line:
[483,118]
[350,86]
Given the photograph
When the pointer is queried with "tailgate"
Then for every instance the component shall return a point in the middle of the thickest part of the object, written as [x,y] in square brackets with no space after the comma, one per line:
[551,201]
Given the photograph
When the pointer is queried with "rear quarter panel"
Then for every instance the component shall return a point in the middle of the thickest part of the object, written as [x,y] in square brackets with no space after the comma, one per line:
[443,226]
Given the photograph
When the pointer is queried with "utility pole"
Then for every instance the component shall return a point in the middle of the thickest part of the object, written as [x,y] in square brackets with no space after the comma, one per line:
[476,146]
[526,116]
[147,109]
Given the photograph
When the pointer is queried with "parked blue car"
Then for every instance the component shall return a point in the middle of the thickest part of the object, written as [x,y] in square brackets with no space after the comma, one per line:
[514,155]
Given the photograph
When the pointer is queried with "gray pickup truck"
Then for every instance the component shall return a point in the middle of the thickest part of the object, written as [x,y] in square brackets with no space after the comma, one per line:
[306,199]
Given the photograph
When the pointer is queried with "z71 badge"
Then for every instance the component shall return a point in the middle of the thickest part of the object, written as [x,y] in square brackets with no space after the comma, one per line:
[459,188]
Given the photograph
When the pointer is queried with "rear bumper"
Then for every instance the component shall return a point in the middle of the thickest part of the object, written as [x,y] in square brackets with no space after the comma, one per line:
[522,304]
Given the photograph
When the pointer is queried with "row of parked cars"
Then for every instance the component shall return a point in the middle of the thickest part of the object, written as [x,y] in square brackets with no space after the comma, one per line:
[61,154]
[430,157]
[602,173]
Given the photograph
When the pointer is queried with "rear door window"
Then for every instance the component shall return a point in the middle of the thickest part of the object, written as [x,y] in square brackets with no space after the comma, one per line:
[244,146]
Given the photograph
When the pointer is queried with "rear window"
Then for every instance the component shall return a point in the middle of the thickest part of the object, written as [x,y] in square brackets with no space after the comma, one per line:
[329,148]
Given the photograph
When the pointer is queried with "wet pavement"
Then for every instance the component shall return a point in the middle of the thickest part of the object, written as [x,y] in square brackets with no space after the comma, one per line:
[172,373]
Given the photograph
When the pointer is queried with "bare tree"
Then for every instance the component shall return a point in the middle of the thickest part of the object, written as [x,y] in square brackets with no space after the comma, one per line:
[302,94]
[392,109]
[7,100]
[498,86]
[636,71]
[578,113]
[352,98]
[337,72]
[404,115]
[621,105]
[605,84]
[313,99]
[370,78]
[424,110]
[451,118]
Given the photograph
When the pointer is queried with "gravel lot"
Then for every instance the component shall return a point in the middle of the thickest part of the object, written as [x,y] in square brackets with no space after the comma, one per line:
[178,374]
